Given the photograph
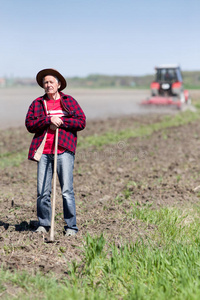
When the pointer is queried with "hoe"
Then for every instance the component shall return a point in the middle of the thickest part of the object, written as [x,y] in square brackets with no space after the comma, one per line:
[51,238]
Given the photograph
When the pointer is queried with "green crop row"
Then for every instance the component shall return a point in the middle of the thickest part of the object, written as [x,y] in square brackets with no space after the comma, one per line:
[142,131]
[15,158]
[166,265]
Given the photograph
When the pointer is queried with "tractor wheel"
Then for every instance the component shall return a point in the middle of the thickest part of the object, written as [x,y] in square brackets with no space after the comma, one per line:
[189,101]
[182,98]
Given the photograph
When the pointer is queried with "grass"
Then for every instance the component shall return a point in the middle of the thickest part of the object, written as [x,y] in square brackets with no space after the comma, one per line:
[9,159]
[166,265]
[142,131]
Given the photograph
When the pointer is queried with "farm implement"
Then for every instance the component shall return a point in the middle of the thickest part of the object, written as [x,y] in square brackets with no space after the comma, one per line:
[167,89]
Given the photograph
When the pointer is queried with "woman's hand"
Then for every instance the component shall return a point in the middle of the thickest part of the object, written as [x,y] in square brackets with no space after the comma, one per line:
[56,121]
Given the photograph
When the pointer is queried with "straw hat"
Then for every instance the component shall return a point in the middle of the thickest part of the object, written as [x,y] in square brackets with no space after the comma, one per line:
[52,72]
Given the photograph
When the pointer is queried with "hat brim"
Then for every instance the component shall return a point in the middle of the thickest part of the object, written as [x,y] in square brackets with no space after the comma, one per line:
[52,72]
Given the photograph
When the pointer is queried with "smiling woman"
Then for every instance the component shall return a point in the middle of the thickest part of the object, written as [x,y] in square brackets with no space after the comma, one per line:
[47,115]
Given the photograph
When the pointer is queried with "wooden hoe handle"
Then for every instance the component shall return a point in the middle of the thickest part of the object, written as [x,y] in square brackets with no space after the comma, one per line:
[54,187]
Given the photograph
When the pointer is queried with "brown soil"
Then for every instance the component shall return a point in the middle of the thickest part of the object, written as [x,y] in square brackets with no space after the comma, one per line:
[160,170]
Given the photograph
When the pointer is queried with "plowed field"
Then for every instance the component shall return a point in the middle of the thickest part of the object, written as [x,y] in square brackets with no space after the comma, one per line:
[160,169]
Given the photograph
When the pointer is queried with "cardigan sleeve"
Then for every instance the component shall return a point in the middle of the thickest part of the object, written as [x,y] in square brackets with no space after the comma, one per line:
[36,119]
[76,119]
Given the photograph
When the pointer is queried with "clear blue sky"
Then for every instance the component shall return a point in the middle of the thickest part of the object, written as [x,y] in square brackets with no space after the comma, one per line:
[82,37]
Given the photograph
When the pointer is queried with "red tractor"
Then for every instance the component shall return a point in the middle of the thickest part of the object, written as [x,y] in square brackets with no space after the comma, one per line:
[167,88]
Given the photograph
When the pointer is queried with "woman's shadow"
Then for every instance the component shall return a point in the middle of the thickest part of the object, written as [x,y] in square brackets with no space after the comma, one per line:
[23,226]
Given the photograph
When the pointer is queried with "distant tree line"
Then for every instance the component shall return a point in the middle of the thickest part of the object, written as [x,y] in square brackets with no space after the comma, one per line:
[103,81]
[191,80]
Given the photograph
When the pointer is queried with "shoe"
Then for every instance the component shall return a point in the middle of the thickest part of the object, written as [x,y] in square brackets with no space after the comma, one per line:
[42,229]
[70,232]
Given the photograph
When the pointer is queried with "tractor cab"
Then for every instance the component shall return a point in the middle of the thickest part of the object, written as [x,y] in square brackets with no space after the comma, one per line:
[168,74]
[167,87]
[168,81]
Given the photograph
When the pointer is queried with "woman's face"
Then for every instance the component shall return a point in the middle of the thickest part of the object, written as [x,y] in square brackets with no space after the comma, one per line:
[50,84]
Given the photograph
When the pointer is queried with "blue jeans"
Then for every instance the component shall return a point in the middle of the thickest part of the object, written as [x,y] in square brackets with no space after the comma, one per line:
[65,166]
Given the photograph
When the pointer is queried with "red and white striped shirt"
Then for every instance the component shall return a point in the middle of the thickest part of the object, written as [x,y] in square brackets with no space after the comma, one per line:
[53,108]
[37,121]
